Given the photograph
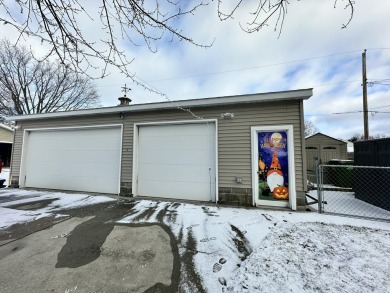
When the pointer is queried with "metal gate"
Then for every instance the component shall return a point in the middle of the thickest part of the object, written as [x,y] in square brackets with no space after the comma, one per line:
[355,191]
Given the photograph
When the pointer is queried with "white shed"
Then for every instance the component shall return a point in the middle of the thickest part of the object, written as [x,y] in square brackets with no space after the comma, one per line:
[325,148]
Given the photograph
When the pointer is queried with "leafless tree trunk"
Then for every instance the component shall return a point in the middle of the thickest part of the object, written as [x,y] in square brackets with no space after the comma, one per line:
[310,128]
[29,86]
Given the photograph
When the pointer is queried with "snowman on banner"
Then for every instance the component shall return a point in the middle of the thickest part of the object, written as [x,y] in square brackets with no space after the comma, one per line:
[275,178]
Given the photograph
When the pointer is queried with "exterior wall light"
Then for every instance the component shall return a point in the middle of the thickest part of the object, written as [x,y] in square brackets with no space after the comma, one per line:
[227,115]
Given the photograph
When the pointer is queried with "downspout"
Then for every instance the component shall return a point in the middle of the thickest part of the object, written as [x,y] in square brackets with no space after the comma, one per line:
[12,159]
[304,162]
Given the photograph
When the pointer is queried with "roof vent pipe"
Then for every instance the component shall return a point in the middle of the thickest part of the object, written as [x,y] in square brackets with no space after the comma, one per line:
[124,101]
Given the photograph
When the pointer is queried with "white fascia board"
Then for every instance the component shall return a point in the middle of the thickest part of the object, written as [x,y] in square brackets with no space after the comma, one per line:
[6,127]
[207,102]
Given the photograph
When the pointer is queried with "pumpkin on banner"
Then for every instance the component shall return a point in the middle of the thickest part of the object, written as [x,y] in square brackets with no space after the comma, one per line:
[280,192]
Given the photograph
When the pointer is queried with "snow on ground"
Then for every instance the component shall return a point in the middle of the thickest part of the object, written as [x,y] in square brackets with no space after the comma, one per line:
[5,175]
[248,250]
[9,217]
[312,257]
[254,250]
[60,201]
[345,203]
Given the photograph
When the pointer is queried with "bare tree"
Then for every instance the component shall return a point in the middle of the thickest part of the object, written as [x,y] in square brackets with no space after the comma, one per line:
[59,24]
[359,137]
[310,128]
[29,86]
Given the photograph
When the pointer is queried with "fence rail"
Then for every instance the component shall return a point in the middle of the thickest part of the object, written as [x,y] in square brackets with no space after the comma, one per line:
[357,191]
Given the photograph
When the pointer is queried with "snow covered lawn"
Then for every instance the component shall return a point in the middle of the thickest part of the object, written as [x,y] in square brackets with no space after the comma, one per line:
[253,250]
[248,250]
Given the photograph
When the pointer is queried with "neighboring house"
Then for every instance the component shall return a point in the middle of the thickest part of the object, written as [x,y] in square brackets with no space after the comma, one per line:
[228,150]
[325,148]
[6,140]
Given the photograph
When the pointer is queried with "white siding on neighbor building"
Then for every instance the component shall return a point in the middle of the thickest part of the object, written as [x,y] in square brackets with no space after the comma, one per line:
[6,135]
[325,148]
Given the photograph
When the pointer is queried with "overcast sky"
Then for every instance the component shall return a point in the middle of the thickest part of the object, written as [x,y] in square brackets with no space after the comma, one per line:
[311,52]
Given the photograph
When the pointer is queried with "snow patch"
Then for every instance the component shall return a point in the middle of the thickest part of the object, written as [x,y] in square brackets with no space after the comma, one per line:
[61,201]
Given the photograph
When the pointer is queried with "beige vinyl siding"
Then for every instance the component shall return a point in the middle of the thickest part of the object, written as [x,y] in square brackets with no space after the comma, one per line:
[234,137]
[6,135]
[16,153]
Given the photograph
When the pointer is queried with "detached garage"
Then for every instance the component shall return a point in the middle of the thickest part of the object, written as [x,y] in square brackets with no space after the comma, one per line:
[325,148]
[244,150]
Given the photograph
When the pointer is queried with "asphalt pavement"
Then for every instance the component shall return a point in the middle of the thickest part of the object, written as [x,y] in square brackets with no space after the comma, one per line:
[87,250]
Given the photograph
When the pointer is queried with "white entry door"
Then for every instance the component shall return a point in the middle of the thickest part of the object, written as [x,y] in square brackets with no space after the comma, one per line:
[83,159]
[177,161]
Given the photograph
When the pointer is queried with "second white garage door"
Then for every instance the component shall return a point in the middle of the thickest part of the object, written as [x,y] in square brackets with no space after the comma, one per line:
[84,159]
[177,161]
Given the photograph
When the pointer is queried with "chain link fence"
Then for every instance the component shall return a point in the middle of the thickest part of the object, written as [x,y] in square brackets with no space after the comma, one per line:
[351,190]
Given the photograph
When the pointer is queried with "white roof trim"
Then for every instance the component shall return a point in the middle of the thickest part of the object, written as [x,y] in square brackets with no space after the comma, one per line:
[311,135]
[6,127]
[303,94]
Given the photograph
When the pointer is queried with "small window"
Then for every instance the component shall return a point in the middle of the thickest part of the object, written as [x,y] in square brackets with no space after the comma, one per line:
[330,148]
[311,148]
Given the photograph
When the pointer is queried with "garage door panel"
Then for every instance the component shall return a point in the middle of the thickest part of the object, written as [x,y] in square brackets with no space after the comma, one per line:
[177,161]
[74,159]
[86,169]
[179,156]
[82,144]
[179,190]
[175,143]
[328,155]
[181,173]
[75,156]
[86,139]
[77,183]
[175,130]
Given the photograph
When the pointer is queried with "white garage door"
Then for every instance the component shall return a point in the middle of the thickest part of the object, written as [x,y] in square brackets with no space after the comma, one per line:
[330,153]
[85,159]
[177,161]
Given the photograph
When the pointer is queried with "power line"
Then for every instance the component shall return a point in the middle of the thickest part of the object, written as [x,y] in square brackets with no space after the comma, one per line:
[254,67]
[327,84]
[313,86]
[349,112]
[373,82]
[262,66]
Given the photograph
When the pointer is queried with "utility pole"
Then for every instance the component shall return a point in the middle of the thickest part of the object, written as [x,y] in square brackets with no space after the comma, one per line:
[365,107]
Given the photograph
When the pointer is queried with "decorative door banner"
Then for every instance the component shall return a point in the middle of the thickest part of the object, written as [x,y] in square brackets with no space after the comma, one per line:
[273,166]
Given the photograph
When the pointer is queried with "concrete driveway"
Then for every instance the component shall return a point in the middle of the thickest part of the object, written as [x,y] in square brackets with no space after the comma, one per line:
[88,251]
